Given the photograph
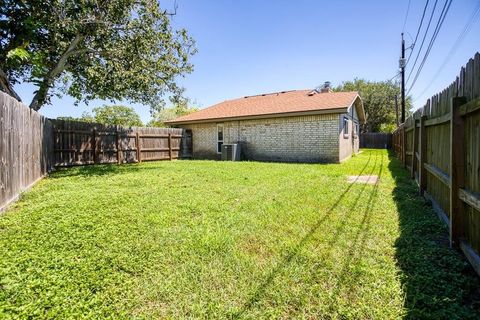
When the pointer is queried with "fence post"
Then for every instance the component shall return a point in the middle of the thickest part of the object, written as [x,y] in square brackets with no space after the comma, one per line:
[117,145]
[414,148]
[137,143]
[422,172]
[94,145]
[457,171]
[170,146]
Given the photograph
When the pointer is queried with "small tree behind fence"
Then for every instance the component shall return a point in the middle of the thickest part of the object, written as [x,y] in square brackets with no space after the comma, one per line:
[440,145]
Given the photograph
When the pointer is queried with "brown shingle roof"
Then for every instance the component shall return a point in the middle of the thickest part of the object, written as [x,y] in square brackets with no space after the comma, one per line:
[271,104]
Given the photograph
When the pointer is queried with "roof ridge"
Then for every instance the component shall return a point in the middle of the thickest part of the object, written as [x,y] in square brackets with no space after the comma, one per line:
[268,94]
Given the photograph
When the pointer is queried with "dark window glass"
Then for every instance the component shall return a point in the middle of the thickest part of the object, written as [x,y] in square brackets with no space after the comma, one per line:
[220,132]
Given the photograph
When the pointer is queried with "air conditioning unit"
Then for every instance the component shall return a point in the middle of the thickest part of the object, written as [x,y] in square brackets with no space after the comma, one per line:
[230,152]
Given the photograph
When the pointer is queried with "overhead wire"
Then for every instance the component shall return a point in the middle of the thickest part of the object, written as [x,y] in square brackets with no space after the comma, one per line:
[423,41]
[406,16]
[418,30]
[440,21]
[466,29]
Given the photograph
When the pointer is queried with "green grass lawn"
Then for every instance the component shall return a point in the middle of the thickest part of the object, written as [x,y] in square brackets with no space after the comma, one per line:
[204,239]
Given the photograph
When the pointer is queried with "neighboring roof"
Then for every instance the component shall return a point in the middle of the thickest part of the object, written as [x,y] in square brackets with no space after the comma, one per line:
[276,104]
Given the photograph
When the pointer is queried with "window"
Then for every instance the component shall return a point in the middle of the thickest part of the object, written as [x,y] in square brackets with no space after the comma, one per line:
[357,130]
[345,127]
[219,137]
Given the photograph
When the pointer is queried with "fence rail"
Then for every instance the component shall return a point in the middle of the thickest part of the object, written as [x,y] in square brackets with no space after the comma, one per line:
[32,145]
[80,143]
[440,145]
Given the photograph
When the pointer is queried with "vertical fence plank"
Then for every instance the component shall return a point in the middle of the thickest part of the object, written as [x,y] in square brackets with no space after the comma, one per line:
[170,145]
[117,144]
[25,148]
[404,146]
[94,145]
[422,172]
[414,148]
[457,165]
[139,151]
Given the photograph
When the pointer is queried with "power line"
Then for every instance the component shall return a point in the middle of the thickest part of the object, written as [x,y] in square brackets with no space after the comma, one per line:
[396,75]
[423,41]
[458,41]
[418,30]
[440,21]
[406,16]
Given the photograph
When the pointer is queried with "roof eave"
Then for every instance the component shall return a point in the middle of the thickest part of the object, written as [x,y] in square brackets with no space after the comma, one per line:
[362,109]
[263,116]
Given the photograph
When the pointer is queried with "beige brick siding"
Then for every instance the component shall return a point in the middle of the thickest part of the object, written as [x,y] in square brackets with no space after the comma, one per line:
[313,138]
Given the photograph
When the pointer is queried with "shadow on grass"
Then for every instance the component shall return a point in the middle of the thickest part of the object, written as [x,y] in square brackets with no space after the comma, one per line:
[357,247]
[438,282]
[285,261]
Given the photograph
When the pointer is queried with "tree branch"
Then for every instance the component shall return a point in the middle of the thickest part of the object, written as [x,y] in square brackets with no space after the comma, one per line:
[42,92]
[6,87]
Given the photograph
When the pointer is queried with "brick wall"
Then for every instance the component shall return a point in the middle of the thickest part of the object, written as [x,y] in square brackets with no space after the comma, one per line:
[312,138]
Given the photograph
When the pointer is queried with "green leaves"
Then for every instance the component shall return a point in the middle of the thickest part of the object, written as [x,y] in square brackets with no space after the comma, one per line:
[378,101]
[19,54]
[181,107]
[118,50]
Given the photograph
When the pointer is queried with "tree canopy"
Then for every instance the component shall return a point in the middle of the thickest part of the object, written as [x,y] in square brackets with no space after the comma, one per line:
[180,108]
[378,101]
[111,115]
[110,50]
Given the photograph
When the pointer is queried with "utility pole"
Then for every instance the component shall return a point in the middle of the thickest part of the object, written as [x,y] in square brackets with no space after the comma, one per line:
[402,71]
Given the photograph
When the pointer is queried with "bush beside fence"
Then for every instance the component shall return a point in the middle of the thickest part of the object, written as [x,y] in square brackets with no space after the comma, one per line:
[440,145]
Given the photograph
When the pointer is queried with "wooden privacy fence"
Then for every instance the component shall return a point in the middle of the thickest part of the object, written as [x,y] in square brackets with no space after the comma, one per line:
[80,143]
[32,145]
[376,140]
[26,146]
[440,145]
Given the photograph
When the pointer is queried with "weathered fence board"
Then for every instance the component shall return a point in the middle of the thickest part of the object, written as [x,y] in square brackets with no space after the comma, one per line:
[80,143]
[376,140]
[31,145]
[448,162]
[26,147]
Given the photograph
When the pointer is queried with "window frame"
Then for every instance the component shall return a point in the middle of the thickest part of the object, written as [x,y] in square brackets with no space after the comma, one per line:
[219,143]
[345,123]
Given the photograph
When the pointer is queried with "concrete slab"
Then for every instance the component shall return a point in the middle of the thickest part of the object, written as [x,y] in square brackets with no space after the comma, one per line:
[368,179]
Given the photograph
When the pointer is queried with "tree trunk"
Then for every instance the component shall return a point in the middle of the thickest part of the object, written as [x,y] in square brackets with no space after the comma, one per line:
[6,87]
[42,93]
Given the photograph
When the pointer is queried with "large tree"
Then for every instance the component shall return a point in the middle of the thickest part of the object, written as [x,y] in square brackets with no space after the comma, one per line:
[378,101]
[89,49]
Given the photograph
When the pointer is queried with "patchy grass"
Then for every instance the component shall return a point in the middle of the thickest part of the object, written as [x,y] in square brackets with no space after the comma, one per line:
[206,239]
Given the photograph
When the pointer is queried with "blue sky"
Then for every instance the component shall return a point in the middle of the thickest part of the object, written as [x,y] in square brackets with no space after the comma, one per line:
[251,47]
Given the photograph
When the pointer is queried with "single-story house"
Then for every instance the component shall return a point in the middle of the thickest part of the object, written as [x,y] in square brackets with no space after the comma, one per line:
[289,126]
